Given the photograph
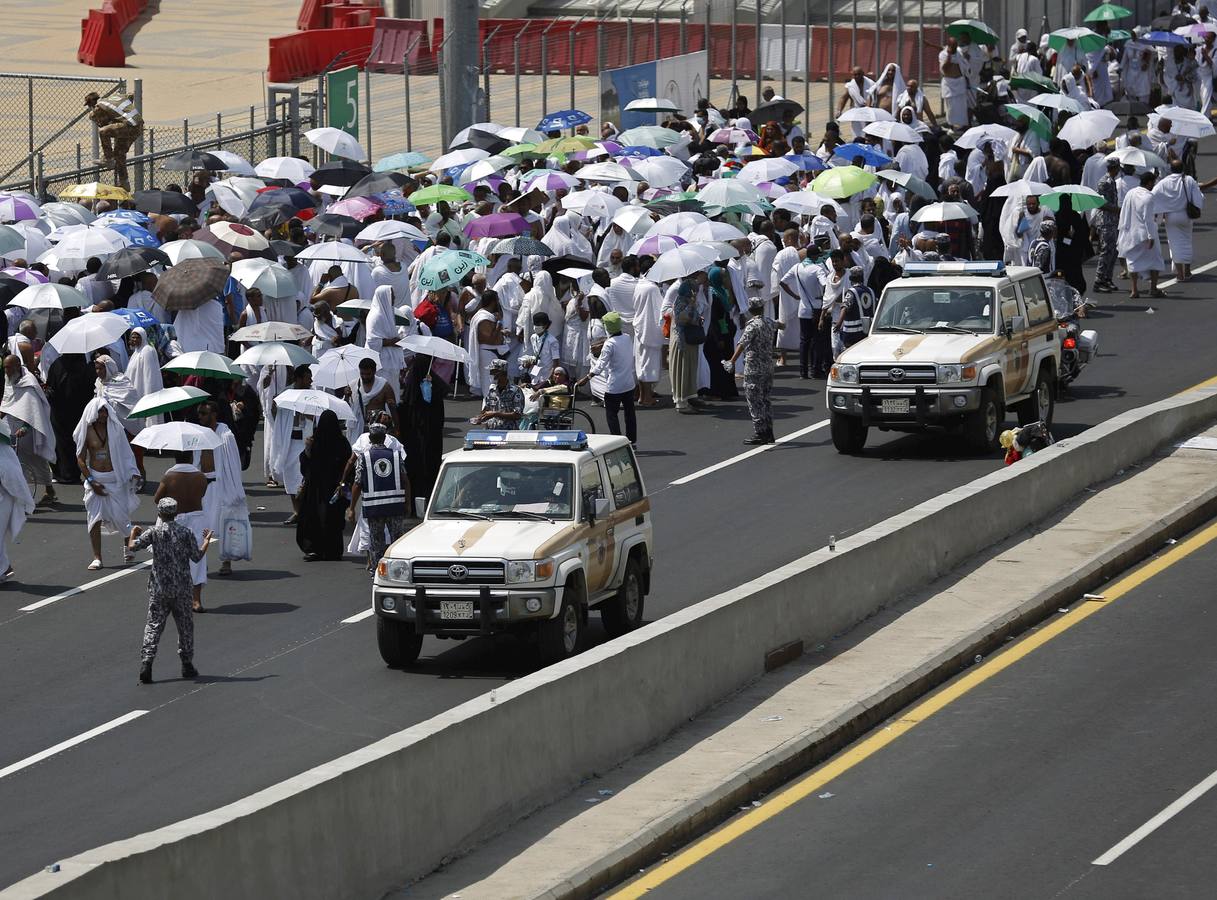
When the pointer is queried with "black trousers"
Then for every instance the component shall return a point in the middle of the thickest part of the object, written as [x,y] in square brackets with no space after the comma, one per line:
[815,347]
[615,402]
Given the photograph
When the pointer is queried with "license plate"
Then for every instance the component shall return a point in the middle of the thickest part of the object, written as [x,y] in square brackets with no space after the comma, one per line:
[456,609]
[895,406]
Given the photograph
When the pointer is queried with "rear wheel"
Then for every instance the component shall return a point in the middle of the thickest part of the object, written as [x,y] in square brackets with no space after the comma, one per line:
[561,636]
[848,433]
[983,427]
[398,644]
[1039,406]
[581,420]
[623,613]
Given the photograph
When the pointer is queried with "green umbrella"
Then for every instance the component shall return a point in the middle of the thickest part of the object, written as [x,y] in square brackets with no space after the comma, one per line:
[524,150]
[842,181]
[1082,198]
[1030,81]
[439,193]
[1108,12]
[1087,40]
[167,400]
[205,363]
[1036,120]
[978,31]
[445,269]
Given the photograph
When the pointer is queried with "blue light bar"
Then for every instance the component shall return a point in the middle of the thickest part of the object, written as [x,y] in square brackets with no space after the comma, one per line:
[522,440]
[990,268]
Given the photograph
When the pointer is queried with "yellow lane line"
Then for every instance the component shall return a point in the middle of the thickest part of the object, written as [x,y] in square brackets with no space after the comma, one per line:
[871,745]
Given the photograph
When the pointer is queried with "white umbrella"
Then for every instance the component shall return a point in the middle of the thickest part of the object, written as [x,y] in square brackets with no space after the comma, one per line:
[1138,158]
[1193,126]
[270,331]
[1021,188]
[891,131]
[337,142]
[681,261]
[179,436]
[463,157]
[234,162]
[340,366]
[1059,102]
[661,171]
[807,203]
[49,296]
[1088,128]
[592,203]
[978,134]
[768,169]
[676,223]
[272,279]
[190,249]
[90,242]
[651,104]
[353,308]
[89,332]
[484,168]
[286,167]
[313,403]
[866,114]
[944,212]
[236,194]
[390,230]
[712,231]
[489,127]
[609,172]
[429,345]
[238,235]
[333,251]
[275,353]
[726,192]
[910,183]
[520,135]
[66,214]
[632,218]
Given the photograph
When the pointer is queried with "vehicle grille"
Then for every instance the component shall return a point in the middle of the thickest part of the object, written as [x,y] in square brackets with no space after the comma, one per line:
[898,375]
[439,571]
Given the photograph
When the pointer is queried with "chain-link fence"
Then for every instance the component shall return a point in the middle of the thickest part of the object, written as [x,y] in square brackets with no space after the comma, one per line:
[45,113]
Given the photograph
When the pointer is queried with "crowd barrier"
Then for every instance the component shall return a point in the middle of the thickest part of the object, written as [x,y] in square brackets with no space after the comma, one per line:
[396,40]
[303,54]
[365,823]
[101,33]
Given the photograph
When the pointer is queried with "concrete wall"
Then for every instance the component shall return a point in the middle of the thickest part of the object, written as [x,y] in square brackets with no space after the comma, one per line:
[376,818]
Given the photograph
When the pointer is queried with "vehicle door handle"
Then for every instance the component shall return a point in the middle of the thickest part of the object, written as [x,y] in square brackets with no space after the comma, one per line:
[612,530]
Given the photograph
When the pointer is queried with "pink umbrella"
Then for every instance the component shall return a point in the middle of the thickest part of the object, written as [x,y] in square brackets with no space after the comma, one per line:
[771,189]
[497,225]
[656,244]
[25,275]
[356,207]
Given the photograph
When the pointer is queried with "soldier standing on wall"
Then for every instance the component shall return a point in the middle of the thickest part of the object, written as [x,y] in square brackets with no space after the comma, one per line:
[119,125]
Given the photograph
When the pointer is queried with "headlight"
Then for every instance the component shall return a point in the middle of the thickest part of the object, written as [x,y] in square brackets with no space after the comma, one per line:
[394,570]
[844,374]
[525,571]
[956,374]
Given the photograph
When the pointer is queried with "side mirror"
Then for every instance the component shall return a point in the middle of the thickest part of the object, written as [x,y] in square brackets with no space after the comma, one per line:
[1015,325]
[420,507]
[601,508]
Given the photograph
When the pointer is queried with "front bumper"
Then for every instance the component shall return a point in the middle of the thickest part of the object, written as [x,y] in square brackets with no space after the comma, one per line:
[926,403]
[495,608]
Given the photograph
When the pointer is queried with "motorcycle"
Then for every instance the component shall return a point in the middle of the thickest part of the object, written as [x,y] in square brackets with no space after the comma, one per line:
[1078,347]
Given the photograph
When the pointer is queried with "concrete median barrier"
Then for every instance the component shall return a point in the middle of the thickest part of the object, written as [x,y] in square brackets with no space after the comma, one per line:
[393,811]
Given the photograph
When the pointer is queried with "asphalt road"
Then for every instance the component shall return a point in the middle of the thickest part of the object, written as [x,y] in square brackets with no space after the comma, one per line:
[1020,785]
[286,685]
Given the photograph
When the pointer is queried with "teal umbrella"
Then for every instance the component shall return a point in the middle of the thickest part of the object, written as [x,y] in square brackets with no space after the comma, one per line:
[407,160]
[446,269]
[1082,198]
[978,31]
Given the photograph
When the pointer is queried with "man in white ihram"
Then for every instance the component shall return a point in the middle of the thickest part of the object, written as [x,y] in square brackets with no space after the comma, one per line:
[16,501]
[224,504]
[111,477]
[28,412]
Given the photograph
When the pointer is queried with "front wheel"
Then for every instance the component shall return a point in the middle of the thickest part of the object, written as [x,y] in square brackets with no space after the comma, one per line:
[399,645]
[848,433]
[561,636]
[623,613]
[983,427]
[1039,406]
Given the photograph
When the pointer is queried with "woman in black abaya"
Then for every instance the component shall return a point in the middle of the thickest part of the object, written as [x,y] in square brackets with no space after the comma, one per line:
[322,516]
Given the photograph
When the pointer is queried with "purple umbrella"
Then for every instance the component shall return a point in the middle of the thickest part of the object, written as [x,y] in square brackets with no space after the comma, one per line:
[497,225]
[656,244]
[27,276]
[17,209]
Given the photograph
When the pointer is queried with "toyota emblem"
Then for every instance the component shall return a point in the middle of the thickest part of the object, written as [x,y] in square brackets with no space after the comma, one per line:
[896,374]
[458,573]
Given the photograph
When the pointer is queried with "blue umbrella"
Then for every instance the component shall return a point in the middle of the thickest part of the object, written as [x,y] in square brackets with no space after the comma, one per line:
[402,161]
[639,152]
[139,237]
[807,162]
[566,118]
[870,155]
[1165,39]
[395,203]
[137,317]
[133,214]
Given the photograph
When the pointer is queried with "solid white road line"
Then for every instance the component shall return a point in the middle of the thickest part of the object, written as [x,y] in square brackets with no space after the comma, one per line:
[794,435]
[71,742]
[1196,271]
[358,617]
[84,587]
[1157,821]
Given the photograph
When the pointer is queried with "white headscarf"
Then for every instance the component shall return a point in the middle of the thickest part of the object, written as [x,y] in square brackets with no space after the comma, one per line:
[898,85]
[121,457]
[27,401]
[565,240]
[144,369]
[381,323]
[119,393]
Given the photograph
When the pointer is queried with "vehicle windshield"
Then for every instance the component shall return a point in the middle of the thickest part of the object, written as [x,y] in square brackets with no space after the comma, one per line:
[504,490]
[936,309]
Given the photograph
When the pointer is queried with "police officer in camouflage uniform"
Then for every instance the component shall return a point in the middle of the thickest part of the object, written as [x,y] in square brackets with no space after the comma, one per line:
[757,342]
[170,586]
[119,125]
[1107,224]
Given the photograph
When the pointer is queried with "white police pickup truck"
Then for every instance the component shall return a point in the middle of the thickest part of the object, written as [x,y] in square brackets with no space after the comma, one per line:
[951,344]
[526,531]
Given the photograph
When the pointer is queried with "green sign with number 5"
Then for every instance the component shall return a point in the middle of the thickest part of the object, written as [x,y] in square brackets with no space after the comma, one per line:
[342,100]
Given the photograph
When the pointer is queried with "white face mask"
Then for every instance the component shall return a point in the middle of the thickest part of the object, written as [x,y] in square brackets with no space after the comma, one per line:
[539,329]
